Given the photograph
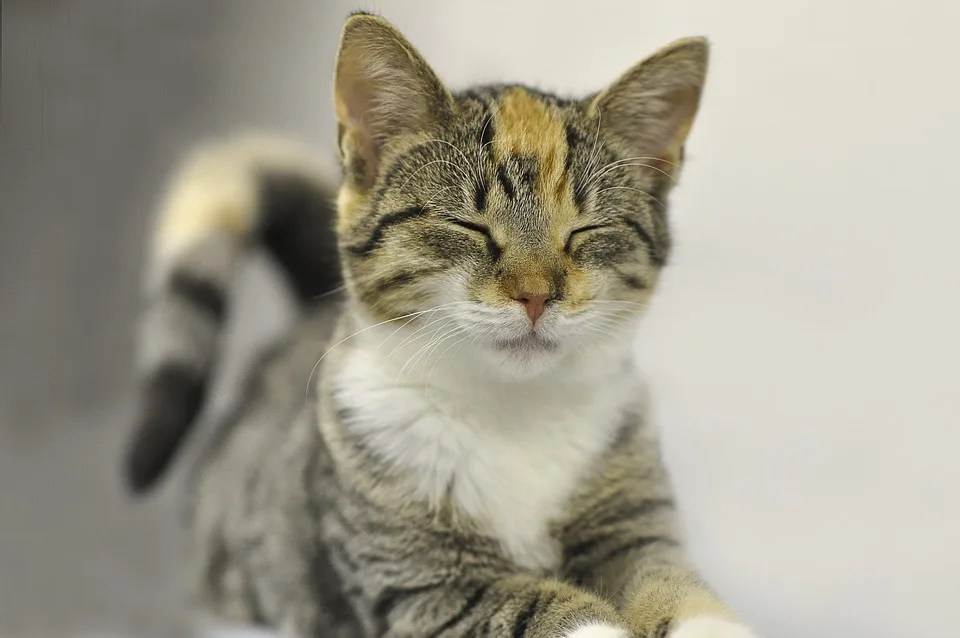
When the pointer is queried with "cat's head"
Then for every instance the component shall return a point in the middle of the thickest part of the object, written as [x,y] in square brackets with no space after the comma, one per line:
[534,227]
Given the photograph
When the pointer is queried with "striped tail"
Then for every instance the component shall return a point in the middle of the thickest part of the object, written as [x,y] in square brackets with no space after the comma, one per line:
[228,197]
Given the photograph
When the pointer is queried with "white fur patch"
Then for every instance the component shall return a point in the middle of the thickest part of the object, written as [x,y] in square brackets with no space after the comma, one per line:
[510,453]
[599,631]
[711,627]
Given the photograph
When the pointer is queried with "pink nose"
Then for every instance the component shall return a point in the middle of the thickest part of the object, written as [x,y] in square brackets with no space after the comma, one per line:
[534,305]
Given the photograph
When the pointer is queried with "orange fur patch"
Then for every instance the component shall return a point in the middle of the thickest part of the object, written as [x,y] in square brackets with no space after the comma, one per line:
[527,126]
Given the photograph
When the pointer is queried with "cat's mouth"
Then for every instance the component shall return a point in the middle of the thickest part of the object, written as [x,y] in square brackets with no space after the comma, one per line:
[531,342]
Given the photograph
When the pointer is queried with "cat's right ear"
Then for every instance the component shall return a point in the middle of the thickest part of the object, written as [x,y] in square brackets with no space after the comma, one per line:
[651,108]
[383,89]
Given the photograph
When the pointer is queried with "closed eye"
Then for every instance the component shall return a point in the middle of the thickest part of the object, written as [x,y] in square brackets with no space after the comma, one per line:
[492,247]
[477,228]
[577,231]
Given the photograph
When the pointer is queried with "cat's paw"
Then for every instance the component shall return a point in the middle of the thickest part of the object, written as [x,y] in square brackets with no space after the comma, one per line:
[598,630]
[710,627]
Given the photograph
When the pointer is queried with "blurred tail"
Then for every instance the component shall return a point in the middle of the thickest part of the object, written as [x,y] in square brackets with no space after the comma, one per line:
[228,197]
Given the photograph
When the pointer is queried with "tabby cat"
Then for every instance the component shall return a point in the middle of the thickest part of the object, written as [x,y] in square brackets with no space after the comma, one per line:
[470,454]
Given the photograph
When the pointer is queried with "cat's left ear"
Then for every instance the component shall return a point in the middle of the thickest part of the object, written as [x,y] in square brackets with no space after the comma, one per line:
[650,109]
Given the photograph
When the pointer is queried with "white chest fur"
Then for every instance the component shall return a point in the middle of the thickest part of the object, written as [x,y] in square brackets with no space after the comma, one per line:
[510,455]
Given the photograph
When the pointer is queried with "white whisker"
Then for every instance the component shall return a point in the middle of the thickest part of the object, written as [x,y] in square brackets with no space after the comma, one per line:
[358,332]
[465,160]
[422,167]
[480,143]
[594,151]
[630,188]
[625,164]
[456,330]
[414,337]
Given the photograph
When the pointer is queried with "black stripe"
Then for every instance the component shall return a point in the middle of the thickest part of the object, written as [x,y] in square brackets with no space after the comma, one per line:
[645,238]
[636,512]
[199,292]
[327,586]
[558,285]
[633,282]
[579,193]
[492,247]
[480,196]
[385,222]
[524,617]
[527,168]
[469,225]
[530,612]
[662,629]
[486,139]
[635,545]
[505,182]
[484,629]
[172,397]
[486,135]
[573,139]
[577,231]
[468,606]
[585,566]
[586,548]
[402,278]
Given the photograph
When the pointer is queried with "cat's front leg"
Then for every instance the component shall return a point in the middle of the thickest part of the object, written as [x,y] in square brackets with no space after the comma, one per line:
[642,566]
[512,605]
[625,546]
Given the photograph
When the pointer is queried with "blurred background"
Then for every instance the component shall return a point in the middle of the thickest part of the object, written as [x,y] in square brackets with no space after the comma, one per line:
[803,350]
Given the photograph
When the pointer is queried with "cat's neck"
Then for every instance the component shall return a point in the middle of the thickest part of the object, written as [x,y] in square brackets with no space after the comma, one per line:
[452,430]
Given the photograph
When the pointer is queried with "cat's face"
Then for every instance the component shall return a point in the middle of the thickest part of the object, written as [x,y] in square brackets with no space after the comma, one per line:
[523,227]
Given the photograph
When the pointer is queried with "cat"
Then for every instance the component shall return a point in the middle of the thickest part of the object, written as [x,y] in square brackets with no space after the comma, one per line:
[470,455]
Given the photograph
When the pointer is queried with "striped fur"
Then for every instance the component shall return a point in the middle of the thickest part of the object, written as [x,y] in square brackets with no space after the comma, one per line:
[473,458]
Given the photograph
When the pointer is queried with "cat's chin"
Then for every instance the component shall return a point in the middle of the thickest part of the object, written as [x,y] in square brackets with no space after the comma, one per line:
[522,359]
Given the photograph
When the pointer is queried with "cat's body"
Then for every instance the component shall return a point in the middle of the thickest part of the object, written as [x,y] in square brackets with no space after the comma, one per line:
[535,500]
[470,456]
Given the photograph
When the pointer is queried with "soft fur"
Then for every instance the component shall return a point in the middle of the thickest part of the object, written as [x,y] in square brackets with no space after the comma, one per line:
[470,454]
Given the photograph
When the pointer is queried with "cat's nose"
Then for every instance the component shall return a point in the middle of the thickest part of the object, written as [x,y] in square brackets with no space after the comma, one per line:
[534,304]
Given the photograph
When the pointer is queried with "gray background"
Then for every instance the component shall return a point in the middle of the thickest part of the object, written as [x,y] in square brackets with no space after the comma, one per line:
[98,99]
[803,349]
